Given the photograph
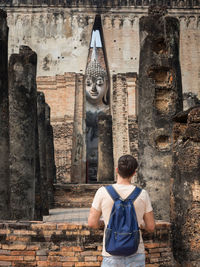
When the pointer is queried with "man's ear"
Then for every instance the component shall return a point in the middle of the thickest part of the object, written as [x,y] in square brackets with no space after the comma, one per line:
[116,169]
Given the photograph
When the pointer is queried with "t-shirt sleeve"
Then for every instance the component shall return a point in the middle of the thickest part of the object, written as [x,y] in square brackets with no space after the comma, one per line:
[148,206]
[97,201]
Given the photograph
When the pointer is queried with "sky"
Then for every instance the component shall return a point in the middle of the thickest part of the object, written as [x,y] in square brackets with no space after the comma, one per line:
[96,34]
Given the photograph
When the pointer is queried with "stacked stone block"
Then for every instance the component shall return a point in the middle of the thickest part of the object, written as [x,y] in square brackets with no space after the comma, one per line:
[50,161]
[32,166]
[42,140]
[22,123]
[185,203]
[105,149]
[159,99]
[4,119]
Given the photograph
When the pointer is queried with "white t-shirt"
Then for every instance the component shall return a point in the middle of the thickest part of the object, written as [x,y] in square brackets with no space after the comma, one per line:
[103,202]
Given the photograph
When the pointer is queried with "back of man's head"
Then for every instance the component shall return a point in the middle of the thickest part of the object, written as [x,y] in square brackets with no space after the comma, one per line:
[127,165]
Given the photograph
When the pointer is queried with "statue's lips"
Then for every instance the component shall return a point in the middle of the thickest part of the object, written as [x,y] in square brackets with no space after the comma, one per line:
[94,93]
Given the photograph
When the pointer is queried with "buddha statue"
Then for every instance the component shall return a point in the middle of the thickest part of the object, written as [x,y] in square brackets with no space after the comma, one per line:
[96,88]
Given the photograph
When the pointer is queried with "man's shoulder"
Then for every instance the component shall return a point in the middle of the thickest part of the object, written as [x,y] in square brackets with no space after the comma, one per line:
[144,196]
[101,190]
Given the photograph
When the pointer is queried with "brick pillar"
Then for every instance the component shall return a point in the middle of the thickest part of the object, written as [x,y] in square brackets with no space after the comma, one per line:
[159,99]
[4,132]
[50,161]
[22,97]
[121,144]
[185,208]
[42,137]
[78,169]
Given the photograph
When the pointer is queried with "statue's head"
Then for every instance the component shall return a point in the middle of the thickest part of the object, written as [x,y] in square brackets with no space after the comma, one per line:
[96,83]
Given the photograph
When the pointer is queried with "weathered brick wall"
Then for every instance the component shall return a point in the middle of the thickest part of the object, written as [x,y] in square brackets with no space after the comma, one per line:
[26,244]
[69,195]
[60,94]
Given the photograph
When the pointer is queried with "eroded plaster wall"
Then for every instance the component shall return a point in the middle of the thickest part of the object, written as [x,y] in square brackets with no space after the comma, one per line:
[121,35]
[60,37]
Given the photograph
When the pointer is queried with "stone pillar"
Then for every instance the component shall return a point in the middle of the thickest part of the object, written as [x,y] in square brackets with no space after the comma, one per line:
[121,144]
[42,137]
[38,180]
[159,99]
[105,149]
[50,161]
[78,147]
[23,112]
[4,131]
[185,202]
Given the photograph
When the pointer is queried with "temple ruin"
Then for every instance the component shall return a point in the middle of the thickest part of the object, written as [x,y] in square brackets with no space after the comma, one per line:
[70,109]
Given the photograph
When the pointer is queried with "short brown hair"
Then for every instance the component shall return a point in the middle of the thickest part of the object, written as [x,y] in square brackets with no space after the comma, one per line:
[127,165]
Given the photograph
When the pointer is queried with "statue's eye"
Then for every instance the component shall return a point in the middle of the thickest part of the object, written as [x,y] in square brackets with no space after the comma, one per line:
[100,81]
[88,82]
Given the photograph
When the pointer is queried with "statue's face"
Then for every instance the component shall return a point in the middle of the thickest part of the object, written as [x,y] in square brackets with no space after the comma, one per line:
[95,89]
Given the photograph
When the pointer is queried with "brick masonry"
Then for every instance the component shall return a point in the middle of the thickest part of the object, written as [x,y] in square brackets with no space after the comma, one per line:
[59,92]
[60,244]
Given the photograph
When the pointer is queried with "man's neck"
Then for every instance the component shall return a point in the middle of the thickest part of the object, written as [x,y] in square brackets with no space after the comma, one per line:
[125,181]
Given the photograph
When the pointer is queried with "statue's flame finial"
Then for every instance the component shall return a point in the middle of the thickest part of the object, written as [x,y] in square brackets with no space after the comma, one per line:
[94,68]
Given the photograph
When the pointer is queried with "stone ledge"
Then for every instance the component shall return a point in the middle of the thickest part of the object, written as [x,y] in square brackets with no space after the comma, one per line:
[99,3]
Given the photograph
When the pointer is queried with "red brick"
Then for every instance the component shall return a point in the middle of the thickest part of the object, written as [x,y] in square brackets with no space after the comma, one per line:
[42,263]
[67,249]
[77,249]
[24,232]
[4,231]
[29,258]
[152,265]
[44,226]
[23,253]
[72,259]
[5,263]
[33,247]
[92,264]
[90,258]
[68,264]
[18,238]
[53,258]
[41,258]
[10,258]
[14,247]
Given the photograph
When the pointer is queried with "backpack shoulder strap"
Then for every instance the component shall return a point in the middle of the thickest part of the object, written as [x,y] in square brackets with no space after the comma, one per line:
[112,192]
[136,192]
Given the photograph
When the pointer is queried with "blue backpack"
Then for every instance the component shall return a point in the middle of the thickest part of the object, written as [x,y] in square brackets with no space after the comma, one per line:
[122,236]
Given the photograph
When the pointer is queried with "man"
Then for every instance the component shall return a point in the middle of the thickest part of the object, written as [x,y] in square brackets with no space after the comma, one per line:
[102,205]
